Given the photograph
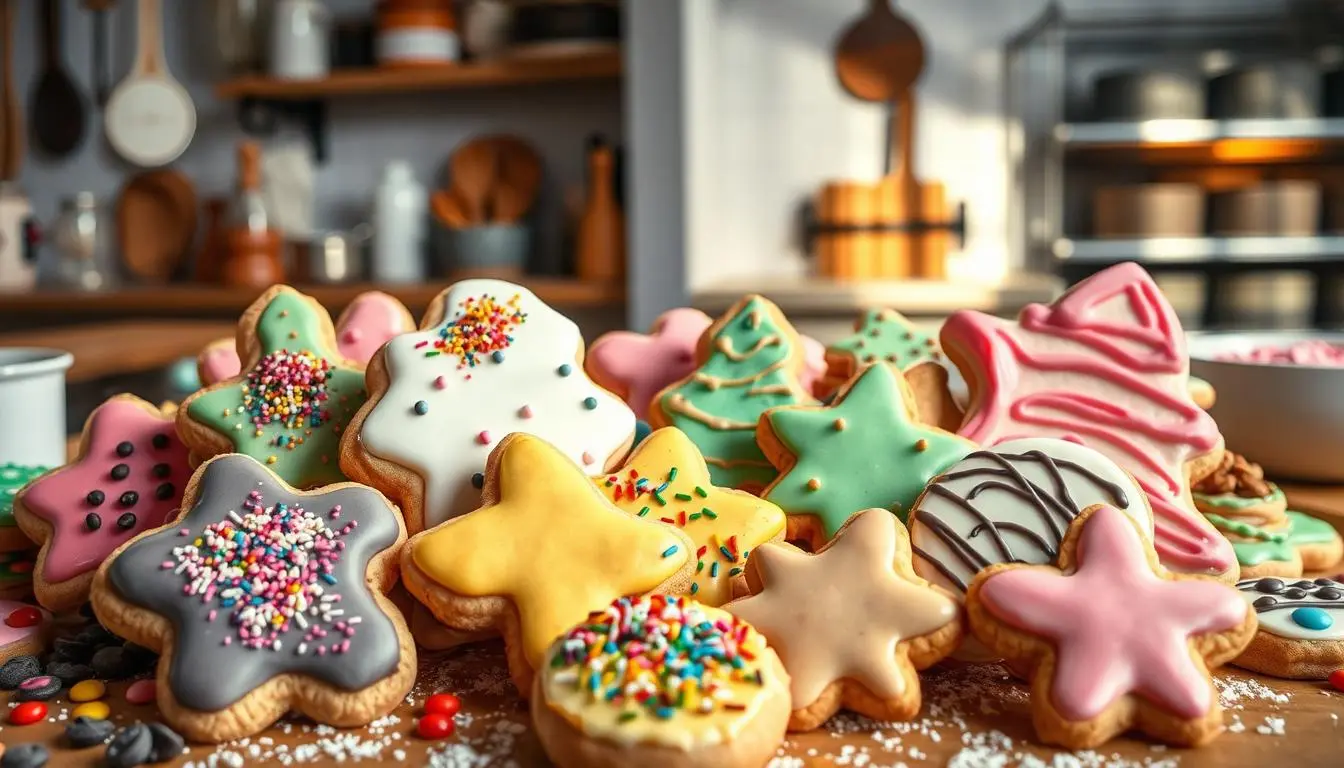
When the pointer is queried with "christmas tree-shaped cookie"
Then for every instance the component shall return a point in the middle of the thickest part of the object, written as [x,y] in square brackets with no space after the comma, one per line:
[749,360]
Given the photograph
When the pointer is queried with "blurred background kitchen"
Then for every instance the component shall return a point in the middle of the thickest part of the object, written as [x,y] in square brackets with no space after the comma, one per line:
[164,161]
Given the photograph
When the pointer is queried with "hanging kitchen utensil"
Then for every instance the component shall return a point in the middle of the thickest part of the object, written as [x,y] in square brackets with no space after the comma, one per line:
[156,223]
[102,78]
[11,114]
[150,118]
[57,108]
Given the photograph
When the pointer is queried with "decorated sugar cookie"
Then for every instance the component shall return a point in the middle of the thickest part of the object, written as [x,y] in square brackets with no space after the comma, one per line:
[12,478]
[1301,633]
[881,336]
[293,399]
[1013,503]
[24,629]
[545,550]
[127,478]
[1110,639]
[636,366]
[852,623]
[866,449]
[266,599]
[1104,365]
[372,318]
[491,359]
[16,575]
[666,480]
[660,681]
[749,360]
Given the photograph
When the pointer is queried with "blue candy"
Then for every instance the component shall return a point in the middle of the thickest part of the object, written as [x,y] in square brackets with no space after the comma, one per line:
[1312,618]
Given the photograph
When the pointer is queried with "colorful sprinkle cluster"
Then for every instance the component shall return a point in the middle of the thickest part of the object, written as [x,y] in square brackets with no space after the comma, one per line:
[288,388]
[660,655]
[723,555]
[483,328]
[270,569]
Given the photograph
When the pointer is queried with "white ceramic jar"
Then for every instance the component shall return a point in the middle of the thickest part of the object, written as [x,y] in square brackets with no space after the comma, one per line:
[299,48]
[400,219]
[32,406]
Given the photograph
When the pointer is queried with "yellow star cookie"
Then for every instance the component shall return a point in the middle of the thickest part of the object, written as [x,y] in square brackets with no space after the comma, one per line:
[545,551]
[666,480]
[851,623]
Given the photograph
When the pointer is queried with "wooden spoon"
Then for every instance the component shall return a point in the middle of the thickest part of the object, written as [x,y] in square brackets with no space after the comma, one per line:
[448,209]
[519,179]
[58,109]
[11,114]
[475,167]
[156,223]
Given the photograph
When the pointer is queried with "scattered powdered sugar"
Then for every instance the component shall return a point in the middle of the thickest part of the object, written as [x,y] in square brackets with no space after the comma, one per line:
[1236,726]
[1233,691]
[1273,726]
[495,748]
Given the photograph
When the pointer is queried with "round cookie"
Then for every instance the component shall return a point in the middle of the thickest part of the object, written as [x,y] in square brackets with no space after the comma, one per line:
[660,682]
[12,478]
[1301,633]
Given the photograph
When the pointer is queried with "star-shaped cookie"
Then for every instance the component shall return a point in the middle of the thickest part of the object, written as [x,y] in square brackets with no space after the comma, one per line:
[882,336]
[295,395]
[545,550]
[1111,638]
[267,599]
[127,478]
[866,449]
[1106,366]
[852,623]
[666,480]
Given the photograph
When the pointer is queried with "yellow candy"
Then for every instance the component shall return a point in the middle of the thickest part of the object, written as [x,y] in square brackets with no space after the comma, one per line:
[88,690]
[92,709]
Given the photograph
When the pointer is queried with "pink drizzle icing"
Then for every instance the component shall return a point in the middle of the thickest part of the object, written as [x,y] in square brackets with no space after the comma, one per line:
[1117,627]
[1033,379]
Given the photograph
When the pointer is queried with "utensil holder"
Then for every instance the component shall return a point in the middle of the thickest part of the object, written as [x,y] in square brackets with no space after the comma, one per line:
[493,250]
[32,405]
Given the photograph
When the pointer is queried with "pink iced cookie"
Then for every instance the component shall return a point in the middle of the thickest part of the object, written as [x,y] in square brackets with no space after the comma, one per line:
[370,320]
[23,629]
[814,362]
[1112,640]
[1105,366]
[1311,352]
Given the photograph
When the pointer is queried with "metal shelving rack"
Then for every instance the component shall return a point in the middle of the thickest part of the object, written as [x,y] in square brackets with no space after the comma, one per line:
[1054,149]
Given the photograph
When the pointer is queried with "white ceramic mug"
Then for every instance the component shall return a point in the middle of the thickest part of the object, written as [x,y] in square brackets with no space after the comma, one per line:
[32,405]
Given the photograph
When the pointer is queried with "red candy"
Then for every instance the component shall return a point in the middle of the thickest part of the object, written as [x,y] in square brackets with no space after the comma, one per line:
[431,726]
[27,616]
[1337,679]
[27,713]
[141,692]
[443,704]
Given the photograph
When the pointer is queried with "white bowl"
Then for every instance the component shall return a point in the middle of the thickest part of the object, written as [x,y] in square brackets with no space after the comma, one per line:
[1288,418]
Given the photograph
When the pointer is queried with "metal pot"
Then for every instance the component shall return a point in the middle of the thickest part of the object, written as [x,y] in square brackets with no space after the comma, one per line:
[331,257]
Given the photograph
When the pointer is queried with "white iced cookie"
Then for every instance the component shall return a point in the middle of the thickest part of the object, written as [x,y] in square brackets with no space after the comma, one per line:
[1301,633]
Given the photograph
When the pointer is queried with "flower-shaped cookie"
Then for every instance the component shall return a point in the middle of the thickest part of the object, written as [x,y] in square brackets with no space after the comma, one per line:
[292,401]
[852,623]
[1112,639]
[128,477]
[263,599]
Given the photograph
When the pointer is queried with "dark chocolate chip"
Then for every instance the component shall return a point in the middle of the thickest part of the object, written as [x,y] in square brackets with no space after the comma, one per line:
[92,521]
[131,746]
[86,610]
[1261,603]
[110,663]
[1294,593]
[1269,586]
[1304,584]
[1326,582]
[96,634]
[126,521]
[160,441]
[478,481]
[124,448]
[1328,593]
[25,756]
[162,470]
[128,499]
[70,673]
[85,732]
[95,498]
[73,649]
[121,472]
[164,491]
[40,688]
[139,657]
[18,669]
[168,744]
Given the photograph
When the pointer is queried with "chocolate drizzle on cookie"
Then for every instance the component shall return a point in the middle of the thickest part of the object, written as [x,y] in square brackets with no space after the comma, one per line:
[1278,594]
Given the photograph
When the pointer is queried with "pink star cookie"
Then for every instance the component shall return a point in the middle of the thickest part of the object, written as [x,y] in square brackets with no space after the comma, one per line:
[1105,366]
[1111,638]
[128,478]
[370,320]
[637,366]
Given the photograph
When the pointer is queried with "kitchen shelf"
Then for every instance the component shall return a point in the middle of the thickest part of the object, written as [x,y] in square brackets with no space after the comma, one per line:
[357,82]
[1265,141]
[122,348]
[1201,250]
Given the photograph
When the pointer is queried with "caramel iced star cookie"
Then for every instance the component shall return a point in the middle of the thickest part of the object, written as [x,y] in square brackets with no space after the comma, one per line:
[852,623]
[295,395]
[263,599]
[1301,633]
[866,449]
[491,359]
[750,360]
[127,478]
[660,681]
[545,550]
[666,480]
[1110,639]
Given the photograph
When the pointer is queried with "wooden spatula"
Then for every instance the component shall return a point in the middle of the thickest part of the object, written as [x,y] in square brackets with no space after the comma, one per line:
[475,167]
[519,179]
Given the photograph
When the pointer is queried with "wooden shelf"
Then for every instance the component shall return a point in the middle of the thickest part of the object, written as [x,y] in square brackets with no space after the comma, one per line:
[1223,142]
[120,348]
[503,73]
[188,300]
